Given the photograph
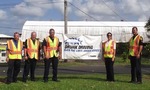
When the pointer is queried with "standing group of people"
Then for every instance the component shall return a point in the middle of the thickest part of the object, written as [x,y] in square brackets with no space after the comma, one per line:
[52,53]
[135,48]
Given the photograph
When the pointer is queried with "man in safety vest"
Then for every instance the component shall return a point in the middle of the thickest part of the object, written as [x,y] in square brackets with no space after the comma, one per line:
[52,52]
[109,52]
[31,54]
[135,49]
[14,57]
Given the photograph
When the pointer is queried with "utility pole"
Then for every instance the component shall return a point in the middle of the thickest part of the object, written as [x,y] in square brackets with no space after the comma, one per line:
[65,17]
[65,21]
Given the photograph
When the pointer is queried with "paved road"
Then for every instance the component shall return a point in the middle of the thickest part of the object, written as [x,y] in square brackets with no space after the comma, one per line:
[85,69]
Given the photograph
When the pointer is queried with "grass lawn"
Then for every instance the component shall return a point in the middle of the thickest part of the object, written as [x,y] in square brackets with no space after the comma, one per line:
[80,82]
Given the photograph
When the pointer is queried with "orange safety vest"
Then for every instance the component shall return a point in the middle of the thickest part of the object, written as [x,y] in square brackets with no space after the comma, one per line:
[108,50]
[15,52]
[52,47]
[32,49]
[134,45]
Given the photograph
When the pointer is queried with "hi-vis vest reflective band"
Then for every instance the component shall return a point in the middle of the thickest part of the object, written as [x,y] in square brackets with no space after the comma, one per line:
[32,49]
[109,50]
[15,52]
[52,47]
[134,45]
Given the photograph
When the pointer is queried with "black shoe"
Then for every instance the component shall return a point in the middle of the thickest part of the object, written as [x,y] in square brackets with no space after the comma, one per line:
[7,82]
[112,81]
[55,80]
[45,81]
[32,79]
[24,81]
[14,81]
[139,82]
[132,82]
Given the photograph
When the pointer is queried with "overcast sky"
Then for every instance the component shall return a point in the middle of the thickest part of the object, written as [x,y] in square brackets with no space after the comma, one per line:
[14,13]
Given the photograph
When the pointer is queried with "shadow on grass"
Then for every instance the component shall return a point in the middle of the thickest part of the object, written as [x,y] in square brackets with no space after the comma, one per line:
[78,77]
[67,77]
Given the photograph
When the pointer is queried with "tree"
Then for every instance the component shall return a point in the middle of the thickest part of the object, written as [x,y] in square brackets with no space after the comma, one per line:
[147,26]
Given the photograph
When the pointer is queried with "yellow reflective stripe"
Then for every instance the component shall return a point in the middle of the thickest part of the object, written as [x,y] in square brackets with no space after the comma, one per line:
[32,48]
[52,47]
[108,51]
[15,51]
[134,45]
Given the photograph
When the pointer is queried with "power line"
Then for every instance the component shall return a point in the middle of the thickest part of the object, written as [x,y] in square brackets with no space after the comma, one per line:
[141,7]
[113,11]
[83,11]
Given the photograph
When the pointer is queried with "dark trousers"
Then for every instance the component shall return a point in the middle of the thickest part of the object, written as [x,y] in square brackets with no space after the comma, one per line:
[47,63]
[13,70]
[30,65]
[109,69]
[136,69]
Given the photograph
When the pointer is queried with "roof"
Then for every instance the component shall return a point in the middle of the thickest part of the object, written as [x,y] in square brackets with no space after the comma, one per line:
[5,36]
[121,30]
[87,23]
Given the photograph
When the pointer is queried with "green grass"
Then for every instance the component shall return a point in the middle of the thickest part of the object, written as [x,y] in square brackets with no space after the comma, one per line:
[80,82]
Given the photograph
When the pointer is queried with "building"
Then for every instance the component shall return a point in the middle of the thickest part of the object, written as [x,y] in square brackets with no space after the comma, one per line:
[3,44]
[121,30]
[95,30]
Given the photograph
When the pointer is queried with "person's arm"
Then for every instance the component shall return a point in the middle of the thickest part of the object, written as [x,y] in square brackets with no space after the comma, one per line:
[7,58]
[103,46]
[140,47]
[25,50]
[44,49]
[7,53]
[114,53]
[39,48]
[60,51]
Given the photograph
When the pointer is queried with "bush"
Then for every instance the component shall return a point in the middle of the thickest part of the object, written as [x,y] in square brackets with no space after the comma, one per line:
[124,56]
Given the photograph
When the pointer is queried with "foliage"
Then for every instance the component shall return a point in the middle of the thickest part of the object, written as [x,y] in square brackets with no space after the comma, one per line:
[124,56]
[121,48]
[146,50]
[147,26]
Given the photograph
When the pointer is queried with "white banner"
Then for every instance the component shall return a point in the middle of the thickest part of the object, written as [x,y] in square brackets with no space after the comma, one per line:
[82,47]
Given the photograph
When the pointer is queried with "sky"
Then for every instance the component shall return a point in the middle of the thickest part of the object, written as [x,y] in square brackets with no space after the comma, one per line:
[14,13]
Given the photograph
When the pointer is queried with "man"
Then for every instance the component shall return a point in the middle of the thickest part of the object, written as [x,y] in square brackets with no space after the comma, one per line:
[31,53]
[135,49]
[14,57]
[109,52]
[52,52]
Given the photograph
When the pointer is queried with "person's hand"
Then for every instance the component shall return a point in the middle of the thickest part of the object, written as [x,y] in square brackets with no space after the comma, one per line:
[138,56]
[47,56]
[59,57]
[26,58]
[10,52]
[7,59]
[113,59]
